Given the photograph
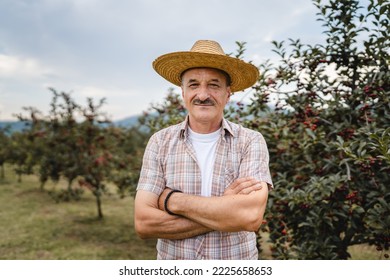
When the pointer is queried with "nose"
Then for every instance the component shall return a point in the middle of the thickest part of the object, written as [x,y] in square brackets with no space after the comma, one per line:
[203,93]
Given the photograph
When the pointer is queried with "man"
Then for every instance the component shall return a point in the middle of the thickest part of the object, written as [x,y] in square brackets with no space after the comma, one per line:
[204,183]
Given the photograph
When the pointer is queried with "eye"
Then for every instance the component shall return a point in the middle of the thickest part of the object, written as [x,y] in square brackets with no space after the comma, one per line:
[214,85]
[193,85]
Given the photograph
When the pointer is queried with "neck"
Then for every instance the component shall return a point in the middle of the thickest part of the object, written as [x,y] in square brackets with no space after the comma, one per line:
[204,127]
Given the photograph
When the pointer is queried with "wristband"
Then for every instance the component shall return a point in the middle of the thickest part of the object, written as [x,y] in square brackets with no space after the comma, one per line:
[166,202]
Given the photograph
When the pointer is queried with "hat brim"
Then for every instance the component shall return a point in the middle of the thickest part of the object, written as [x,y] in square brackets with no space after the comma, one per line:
[170,66]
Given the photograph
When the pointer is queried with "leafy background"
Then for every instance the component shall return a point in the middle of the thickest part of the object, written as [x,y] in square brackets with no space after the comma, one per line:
[324,111]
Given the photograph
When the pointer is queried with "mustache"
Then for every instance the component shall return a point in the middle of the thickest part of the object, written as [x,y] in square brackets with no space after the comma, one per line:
[204,102]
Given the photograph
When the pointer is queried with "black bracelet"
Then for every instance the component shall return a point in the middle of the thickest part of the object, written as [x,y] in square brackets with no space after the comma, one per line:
[166,201]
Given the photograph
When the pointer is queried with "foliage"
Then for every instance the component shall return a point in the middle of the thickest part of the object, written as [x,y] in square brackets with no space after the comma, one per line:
[4,149]
[324,110]
[158,116]
[327,132]
[127,159]
[78,144]
[328,136]
[38,229]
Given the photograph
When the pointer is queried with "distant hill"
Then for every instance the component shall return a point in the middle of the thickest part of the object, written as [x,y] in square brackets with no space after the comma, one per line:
[127,122]
[16,126]
[13,125]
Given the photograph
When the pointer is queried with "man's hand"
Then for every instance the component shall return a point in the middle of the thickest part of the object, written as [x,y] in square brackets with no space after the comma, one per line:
[151,222]
[247,196]
[244,185]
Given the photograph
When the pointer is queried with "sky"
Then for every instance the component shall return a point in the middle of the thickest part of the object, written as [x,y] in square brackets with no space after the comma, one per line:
[105,48]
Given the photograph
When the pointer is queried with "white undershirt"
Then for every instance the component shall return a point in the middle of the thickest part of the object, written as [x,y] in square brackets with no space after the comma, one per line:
[205,145]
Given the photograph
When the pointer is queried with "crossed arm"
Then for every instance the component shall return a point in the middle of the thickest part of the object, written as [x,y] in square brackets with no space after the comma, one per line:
[241,208]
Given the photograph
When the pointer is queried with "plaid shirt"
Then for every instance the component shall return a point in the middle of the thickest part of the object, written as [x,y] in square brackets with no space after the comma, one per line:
[170,161]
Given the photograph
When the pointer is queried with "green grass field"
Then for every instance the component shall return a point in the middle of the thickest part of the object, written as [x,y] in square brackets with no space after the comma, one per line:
[34,226]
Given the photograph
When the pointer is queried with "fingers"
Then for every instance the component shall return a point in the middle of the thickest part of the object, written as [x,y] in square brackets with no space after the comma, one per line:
[244,185]
[252,188]
[160,203]
[248,186]
[240,181]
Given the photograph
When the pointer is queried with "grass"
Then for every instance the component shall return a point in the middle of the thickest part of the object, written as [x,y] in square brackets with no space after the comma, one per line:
[34,227]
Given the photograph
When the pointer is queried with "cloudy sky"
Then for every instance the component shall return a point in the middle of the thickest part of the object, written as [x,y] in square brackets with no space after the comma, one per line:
[105,48]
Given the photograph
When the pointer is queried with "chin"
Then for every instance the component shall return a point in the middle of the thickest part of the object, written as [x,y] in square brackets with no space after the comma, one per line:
[205,116]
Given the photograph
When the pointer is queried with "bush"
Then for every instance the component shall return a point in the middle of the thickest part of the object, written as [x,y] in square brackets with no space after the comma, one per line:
[329,135]
[327,132]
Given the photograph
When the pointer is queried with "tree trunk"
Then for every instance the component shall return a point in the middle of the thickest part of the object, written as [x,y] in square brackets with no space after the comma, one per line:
[70,190]
[99,204]
[42,187]
[2,176]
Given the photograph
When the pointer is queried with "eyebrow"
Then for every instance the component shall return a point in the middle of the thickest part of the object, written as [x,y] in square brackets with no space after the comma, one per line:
[212,80]
[227,76]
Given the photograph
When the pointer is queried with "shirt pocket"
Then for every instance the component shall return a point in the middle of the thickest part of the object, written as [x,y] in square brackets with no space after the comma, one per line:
[232,167]
[230,175]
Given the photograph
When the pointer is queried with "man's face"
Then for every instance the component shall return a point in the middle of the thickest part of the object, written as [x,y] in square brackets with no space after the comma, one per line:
[205,93]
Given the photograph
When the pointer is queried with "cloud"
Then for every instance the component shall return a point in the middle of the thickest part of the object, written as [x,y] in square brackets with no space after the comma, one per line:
[98,92]
[106,48]
[21,68]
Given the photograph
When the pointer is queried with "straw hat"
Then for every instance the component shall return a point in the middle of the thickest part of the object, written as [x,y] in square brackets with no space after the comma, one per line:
[206,53]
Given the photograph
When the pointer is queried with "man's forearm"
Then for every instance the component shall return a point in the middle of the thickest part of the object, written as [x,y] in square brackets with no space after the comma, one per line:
[172,228]
[151,222]
[226,213]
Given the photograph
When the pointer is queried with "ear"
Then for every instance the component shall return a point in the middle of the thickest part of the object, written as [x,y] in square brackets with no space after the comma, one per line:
[229,92]
[182,96]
